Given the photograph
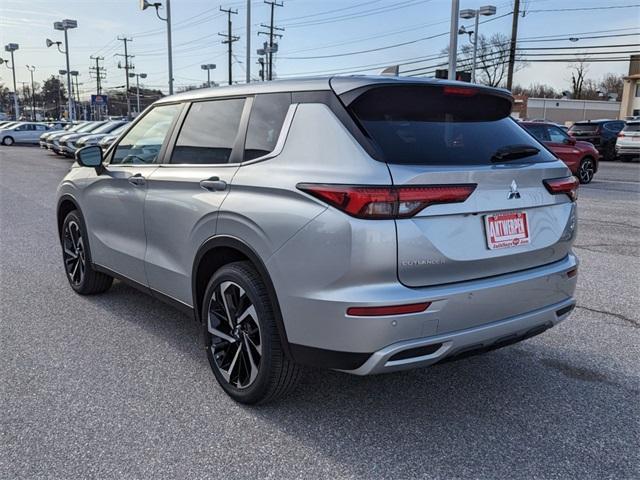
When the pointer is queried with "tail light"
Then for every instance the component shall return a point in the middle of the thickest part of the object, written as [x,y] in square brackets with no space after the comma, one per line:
[566,185]
[620,135]
[376,202]
[460,91]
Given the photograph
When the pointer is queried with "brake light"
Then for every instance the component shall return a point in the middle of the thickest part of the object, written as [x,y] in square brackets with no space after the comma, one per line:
[620,135]
[390,310]
[566,185]
[375,202]
[461,91]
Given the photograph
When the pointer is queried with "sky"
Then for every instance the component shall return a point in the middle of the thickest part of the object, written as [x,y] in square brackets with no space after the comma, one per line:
[319,37]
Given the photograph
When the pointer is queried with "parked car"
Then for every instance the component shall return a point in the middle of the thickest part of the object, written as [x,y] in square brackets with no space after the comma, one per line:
[57,142]
[601,133]
[105,142]
[68,144]
[22,132]
[580,157]
[628,142]
[364,224]
[46,139]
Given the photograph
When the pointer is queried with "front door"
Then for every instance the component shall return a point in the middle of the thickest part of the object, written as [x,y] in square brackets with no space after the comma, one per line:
[115,199]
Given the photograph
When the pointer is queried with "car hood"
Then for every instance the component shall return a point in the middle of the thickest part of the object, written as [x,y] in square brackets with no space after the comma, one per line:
[584,145]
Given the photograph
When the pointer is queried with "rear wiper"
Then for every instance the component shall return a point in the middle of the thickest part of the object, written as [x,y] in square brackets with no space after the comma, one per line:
[513,152]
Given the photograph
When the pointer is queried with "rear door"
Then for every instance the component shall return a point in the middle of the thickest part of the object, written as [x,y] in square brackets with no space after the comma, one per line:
[443,137]
[562,147]
[185,193]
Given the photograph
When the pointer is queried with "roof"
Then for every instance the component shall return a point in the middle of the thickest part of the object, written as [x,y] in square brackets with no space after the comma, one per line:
[340,84]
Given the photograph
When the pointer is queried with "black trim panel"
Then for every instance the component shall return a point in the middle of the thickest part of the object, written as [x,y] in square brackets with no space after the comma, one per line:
[186,309]
[327,359]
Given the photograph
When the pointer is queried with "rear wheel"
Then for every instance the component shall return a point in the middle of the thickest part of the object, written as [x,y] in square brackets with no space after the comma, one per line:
[243,345]
[7,141]
[77,261]
[586,170]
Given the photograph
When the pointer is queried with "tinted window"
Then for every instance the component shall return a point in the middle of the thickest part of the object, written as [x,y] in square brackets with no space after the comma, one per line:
[434,125]
[267,116]
[141,145]
[584,128]
[538,131]
[556,135]
[632,127]
[209,132]
[614,126]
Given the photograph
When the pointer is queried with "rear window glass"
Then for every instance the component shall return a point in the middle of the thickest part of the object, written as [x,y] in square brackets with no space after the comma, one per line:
[584,128]
[435,125]
[632,127]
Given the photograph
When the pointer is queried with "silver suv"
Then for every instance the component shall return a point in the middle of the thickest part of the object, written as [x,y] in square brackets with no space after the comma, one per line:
[363,224]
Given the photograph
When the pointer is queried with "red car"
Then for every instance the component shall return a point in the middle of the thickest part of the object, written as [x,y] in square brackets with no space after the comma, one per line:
[580,157]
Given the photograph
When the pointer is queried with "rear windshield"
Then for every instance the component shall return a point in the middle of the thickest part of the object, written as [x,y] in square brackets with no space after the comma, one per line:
[440,125]
[631,127]
[584,128]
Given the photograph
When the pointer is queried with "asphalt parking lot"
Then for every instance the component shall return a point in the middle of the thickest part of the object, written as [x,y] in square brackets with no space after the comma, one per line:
[118,386]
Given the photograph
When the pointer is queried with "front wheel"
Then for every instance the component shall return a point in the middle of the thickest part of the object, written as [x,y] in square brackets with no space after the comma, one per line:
[243,345]
[8,141]
[77,261]
[586,170]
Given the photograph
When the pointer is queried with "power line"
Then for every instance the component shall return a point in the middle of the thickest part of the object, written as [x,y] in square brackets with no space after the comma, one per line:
[609,7]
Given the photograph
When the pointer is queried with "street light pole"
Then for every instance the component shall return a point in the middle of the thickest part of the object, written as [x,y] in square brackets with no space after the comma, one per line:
[72,110]
[32,69]
[144,4]
[138,77]
[453,39]
[248,56]
[12,47]
[467,14]
[208,67]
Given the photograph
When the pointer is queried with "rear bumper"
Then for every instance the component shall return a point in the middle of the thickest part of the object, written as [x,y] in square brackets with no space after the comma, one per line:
[415,353]
[628,150]
[478,314]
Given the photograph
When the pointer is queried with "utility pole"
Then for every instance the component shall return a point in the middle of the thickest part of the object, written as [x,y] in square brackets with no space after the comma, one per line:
[126,67]
[261,63]
[512,47]
[100,74]
[271,48]
[453,39]
[248,56]
[229,39]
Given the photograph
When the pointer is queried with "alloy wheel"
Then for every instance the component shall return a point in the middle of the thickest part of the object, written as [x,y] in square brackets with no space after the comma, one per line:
[586,171]
[236,341]
[74,252]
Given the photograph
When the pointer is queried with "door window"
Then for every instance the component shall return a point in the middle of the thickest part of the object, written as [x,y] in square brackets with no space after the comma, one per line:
[556,135]
[209,132]
[267,116]
[538,131]
[141,145]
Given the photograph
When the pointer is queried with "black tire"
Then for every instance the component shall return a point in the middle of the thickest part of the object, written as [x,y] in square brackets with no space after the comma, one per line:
[586,170]
[76,256]
[249,362]
[8,141]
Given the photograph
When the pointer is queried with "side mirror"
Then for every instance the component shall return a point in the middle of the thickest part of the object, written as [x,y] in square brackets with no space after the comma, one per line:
[570,141]
[90,156]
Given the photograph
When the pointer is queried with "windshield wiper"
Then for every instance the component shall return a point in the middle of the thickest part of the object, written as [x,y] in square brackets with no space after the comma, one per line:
[514,152]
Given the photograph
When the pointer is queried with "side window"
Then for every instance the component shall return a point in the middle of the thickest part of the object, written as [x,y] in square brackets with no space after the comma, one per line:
[265,122]
[538,131]
[209,132]
[141,145]
[556,135]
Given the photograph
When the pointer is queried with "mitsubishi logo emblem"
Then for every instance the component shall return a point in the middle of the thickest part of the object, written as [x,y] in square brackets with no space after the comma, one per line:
[513,192]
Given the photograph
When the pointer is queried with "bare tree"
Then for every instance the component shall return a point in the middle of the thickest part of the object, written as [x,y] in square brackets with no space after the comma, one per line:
[492,59]
[612,84]
[536,90]
[578,76]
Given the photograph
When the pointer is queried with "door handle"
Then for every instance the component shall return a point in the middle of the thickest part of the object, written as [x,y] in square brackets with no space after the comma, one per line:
[213,184]
[137,179]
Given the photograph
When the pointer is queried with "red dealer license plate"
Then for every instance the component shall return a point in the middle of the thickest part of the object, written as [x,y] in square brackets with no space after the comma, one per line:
[507,230]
